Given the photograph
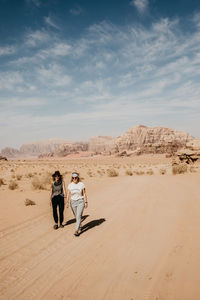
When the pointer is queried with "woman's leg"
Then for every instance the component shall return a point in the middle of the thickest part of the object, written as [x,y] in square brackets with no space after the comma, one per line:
[79,213]
[74,207]
[61,208]
[54,206]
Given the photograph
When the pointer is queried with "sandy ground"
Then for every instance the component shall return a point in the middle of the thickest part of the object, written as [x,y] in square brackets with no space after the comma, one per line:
[140,238]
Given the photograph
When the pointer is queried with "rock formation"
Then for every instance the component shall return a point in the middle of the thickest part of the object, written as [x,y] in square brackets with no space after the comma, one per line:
[3,158]
[191,152]
[10,152]
[66,149]
[34,148]
[137,140]
[101,144]
[142,139]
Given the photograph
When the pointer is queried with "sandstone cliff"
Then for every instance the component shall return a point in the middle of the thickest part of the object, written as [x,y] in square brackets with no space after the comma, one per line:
[10,152]
[137,140]
[143,139]
[34,148]
[101,144]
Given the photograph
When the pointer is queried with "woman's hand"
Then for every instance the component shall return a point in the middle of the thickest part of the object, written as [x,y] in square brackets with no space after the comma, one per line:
[86,204]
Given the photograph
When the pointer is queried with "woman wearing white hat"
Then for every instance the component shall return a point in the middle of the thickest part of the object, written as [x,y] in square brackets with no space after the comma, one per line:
[77,195]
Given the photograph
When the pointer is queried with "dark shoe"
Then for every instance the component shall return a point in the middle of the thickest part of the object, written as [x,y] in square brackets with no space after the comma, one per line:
[76,233]
[61,226]
[55,226]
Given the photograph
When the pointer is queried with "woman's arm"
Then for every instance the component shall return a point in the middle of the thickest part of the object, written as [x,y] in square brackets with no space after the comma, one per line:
[64,191]
[68,198]
[50,195]
[85,198]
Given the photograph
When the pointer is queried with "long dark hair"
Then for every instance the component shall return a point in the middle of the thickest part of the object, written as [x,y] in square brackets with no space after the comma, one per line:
[56,174]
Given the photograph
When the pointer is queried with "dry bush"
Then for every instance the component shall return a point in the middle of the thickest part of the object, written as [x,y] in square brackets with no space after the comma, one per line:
[179,169]
[193,169]
[1,182]
[28,202]
[12,170]
[37,184]
[13,185]
[29,175]
[129,173]
[112,173]
[90,173]
[139,172]
[43,183]
[19,177]
[162,171]
[47,179]
[150,172]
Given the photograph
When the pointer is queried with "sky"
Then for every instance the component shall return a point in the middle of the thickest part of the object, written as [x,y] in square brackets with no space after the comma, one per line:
[78,69]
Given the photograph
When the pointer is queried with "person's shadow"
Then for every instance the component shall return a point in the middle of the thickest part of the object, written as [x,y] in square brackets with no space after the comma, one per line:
[91,224]
[74,220]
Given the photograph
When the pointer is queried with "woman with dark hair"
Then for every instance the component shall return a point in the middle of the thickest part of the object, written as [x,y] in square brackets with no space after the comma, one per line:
[77,194]
[58,192]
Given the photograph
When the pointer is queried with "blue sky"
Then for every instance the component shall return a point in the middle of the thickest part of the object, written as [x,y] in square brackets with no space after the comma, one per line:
[77,69]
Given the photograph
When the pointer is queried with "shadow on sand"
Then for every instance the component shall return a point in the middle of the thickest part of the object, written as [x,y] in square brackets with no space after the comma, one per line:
[74,220]
[92,224]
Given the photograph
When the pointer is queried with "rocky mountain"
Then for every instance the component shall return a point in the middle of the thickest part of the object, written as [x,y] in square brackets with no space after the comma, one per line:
[34,148]
[101,144]
[137,140]
[10,152]
[66,149]
[142,139]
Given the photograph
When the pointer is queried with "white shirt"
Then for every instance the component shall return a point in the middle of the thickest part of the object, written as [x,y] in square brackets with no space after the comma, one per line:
[76,190]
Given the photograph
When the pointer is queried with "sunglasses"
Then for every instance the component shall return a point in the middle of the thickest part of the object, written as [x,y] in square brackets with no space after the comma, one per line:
[74,178]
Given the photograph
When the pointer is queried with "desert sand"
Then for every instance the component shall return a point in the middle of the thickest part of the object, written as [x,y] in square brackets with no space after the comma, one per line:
[140,236]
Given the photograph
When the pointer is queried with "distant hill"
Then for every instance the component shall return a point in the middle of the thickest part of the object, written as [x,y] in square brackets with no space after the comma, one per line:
[137,140]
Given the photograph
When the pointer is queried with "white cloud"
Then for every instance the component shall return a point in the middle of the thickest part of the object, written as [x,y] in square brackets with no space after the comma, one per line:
[141,5]
[59,49]
[7,50]
[10,80]
[37,37]
[54,76]
[49,21]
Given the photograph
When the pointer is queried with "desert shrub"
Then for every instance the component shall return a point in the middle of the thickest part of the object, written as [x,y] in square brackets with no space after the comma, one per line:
[90,173]
[150,172]
[29,175]
[19,177]
[12,170]
[37,184]
[139,172]
[162,171]
[179,169]
[129,173]
[47,179]
[112,173]
[29,202]
[1,182]
[193,169]
[13,185]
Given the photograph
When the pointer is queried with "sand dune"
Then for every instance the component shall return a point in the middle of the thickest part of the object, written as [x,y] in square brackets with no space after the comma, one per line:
[140,241]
